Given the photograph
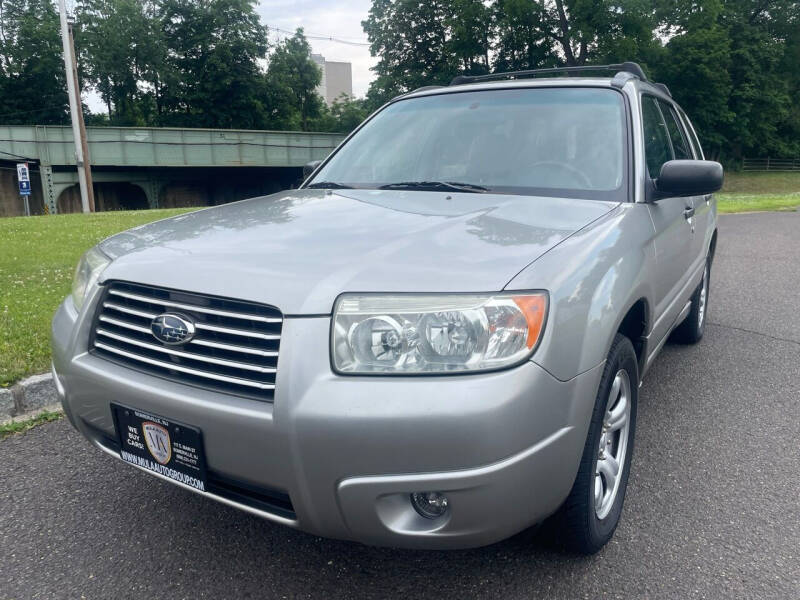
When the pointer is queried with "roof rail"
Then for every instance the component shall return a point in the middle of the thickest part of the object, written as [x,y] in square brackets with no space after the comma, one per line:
[626,67]
[425,88]
[419,89]
[663,88]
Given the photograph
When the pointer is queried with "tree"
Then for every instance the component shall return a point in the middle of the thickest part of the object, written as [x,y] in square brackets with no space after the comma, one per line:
[521,40]
[789,127]
[546,33]
[735,64]
[410,38]
[428,43]
[468,26]
[343,116]
[727,62]
[292,80]
[32,80]
[122,52]
[759,98]
[696,71]
[349,113]
[214,48]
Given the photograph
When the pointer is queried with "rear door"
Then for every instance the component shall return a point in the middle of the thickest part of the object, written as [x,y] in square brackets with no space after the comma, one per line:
[673,229]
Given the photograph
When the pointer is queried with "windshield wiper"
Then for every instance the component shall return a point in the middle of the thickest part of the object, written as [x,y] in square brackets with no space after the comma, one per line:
[454,186]
[331,185]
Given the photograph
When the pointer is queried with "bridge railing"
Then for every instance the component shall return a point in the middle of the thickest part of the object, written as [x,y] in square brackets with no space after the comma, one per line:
[169,147]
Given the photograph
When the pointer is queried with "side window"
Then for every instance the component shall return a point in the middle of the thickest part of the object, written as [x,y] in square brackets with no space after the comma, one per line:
[698,149]
[679,144]
[657,147]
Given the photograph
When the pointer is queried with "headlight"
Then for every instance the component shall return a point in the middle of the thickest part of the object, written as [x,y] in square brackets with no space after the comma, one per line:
[89,268]
[435,333]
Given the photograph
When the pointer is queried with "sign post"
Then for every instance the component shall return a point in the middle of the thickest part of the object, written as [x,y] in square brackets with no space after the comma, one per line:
[24,179]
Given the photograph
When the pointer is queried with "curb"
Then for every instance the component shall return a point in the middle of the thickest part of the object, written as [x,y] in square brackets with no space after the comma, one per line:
[27,396]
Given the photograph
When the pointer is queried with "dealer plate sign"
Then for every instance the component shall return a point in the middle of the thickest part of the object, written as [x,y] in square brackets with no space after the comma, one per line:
[160,445]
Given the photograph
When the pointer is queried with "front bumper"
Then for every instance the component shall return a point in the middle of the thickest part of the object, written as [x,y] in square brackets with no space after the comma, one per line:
[504,447]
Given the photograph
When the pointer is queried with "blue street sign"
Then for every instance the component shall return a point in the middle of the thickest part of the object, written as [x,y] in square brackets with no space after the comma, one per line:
[24,178]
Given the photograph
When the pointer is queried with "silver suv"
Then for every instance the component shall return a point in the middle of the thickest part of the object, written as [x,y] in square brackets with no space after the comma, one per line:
[437,341]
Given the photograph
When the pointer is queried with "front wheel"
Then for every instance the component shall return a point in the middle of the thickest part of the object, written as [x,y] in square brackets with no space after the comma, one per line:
[593,508]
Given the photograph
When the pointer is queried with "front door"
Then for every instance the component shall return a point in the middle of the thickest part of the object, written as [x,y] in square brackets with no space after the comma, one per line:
[703,207]
[673,220]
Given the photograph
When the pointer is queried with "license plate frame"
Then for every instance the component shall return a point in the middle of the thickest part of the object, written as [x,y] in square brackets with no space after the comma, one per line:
[161,445]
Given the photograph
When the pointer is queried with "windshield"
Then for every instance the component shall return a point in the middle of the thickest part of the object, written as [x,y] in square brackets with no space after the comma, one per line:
[538,141]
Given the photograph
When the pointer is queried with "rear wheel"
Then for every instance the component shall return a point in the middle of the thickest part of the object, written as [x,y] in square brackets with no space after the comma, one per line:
[592,510]
[692,329]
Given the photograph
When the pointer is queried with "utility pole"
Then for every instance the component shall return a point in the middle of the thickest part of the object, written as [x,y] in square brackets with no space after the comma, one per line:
[76,112]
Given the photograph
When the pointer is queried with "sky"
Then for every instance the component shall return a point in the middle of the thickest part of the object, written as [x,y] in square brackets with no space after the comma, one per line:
[340,19]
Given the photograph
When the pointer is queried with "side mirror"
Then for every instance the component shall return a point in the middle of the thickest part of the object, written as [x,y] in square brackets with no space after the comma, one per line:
[309,168]
[688,178]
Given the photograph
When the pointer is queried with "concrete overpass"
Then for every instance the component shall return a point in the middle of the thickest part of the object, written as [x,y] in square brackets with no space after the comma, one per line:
[152,158]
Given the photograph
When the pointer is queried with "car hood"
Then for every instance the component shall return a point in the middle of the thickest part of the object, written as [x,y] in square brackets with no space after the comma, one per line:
[299,249]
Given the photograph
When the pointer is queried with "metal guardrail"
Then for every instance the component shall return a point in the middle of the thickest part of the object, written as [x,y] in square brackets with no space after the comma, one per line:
[771,164]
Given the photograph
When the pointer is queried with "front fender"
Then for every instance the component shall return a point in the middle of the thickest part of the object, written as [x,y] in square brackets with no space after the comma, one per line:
[593,277]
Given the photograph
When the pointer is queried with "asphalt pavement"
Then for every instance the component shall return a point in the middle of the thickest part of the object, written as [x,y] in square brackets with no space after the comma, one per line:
[713,506]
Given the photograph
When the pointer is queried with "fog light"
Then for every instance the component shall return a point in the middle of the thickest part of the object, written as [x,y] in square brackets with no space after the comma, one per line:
[430,505]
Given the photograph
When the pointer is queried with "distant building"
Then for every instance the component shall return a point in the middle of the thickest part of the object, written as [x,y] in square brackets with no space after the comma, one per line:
[337,78]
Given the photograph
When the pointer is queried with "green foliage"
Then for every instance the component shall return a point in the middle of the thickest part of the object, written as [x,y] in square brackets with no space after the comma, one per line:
[733,64]
[213,49]
[729,64]
[428,43]
[198,63]
[121,50]
[32,84]
[519,43]
[412,40]
[24,425]
[189,63]
[348,113]
[467,22]
[343,116]
[696,70]
[292,79]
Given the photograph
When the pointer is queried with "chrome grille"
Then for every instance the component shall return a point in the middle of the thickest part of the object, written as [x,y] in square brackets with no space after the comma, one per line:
[234,350]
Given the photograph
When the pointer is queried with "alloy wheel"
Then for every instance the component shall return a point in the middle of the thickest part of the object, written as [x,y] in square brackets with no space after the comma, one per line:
[613,445]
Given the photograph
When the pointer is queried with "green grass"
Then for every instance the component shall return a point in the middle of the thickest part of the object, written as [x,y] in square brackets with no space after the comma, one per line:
[761,183]
[37,260]
[22,426]
[753,191]
[734,203]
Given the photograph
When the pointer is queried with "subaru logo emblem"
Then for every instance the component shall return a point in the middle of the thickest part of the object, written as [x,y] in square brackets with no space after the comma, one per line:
[172,329]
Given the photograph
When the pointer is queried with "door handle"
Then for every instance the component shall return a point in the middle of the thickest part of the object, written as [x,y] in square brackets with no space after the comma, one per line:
[688,213]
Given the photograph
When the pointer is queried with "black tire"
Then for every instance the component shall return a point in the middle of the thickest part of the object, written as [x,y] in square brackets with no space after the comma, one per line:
[583,529]
[692,329]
